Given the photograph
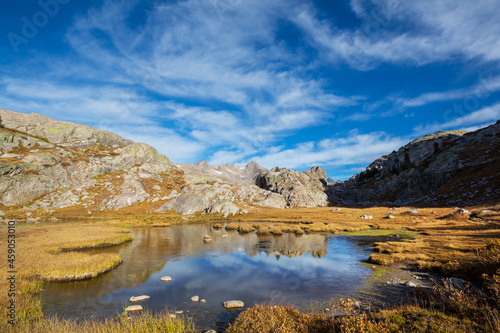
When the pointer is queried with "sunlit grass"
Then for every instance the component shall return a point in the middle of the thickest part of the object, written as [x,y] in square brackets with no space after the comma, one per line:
[142,323]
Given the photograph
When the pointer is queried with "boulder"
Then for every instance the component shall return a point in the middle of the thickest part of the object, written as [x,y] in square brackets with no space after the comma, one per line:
[225,207]
[389,217]
[233,305]
[273,200]
[367,217]
[134,308]
[135,299]
[165,279]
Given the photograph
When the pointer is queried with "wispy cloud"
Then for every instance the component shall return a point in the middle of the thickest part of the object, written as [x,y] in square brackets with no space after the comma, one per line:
[218,80]
[474,120]
[480,90]
[353,149]
[409,32]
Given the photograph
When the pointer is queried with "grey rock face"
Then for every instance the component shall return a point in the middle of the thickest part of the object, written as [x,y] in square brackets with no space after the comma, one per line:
[444,168]
[219,198]
[228,173]
[225,207]
[300,189]
[195,199]
[60,132]
[83,153]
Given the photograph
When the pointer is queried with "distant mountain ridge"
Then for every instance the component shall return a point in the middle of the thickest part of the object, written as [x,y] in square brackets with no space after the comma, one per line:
[48,164]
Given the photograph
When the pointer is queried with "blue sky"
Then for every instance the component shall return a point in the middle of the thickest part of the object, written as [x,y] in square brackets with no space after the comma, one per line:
[287,83]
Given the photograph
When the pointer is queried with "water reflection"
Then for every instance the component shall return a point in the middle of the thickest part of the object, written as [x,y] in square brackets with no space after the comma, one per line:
[283,269]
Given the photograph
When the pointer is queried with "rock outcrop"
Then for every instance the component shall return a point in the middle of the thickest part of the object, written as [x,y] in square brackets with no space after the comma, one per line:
[221,198]
[299,189]
[444,168]
[53,164]
[228,173]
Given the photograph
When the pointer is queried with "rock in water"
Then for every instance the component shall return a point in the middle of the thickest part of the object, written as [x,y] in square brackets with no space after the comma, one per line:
[165,279]
[233,305]
[195,298]
[134,308]
[134,299]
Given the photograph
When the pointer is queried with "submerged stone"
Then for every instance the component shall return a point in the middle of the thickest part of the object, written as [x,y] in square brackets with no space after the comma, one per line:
[134,308]
[233,304]
[135,299]
[166,279]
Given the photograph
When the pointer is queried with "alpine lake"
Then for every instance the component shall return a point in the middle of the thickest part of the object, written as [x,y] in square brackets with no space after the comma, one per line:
[301,270]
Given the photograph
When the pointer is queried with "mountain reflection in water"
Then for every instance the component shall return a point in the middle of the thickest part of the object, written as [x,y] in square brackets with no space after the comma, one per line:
[255,269]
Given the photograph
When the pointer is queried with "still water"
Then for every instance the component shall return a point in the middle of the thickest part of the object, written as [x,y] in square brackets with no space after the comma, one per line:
[285,269]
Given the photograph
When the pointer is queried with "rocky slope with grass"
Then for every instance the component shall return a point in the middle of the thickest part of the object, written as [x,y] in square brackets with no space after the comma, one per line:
[51,164]
[452,168]
[47,164]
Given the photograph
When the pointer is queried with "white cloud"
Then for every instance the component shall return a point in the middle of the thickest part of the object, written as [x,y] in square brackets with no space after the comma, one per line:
[477,119]
[354,149]
[481,90]
[410,32]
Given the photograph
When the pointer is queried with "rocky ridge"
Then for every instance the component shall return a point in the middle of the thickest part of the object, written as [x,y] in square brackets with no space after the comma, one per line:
[45,163]
[445,168]
[49,164]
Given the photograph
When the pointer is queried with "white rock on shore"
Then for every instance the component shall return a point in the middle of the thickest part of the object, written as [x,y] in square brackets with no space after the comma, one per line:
[134,308]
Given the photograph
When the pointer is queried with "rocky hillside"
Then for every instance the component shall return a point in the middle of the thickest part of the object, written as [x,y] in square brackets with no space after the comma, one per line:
[50,164]
[299,189]
[452,168]
[47,164]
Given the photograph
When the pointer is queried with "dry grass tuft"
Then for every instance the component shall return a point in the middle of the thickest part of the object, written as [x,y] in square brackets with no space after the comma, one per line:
[232,226]
[142,323]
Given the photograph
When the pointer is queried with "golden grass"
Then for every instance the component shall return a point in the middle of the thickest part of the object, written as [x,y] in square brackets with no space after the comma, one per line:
[43,253]
[142,323]
[232,226]
[245,228]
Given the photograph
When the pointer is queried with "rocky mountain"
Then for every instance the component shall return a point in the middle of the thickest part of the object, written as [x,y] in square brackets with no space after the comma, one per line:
[48,164]
[203,172]
[299,189]
[445,168]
